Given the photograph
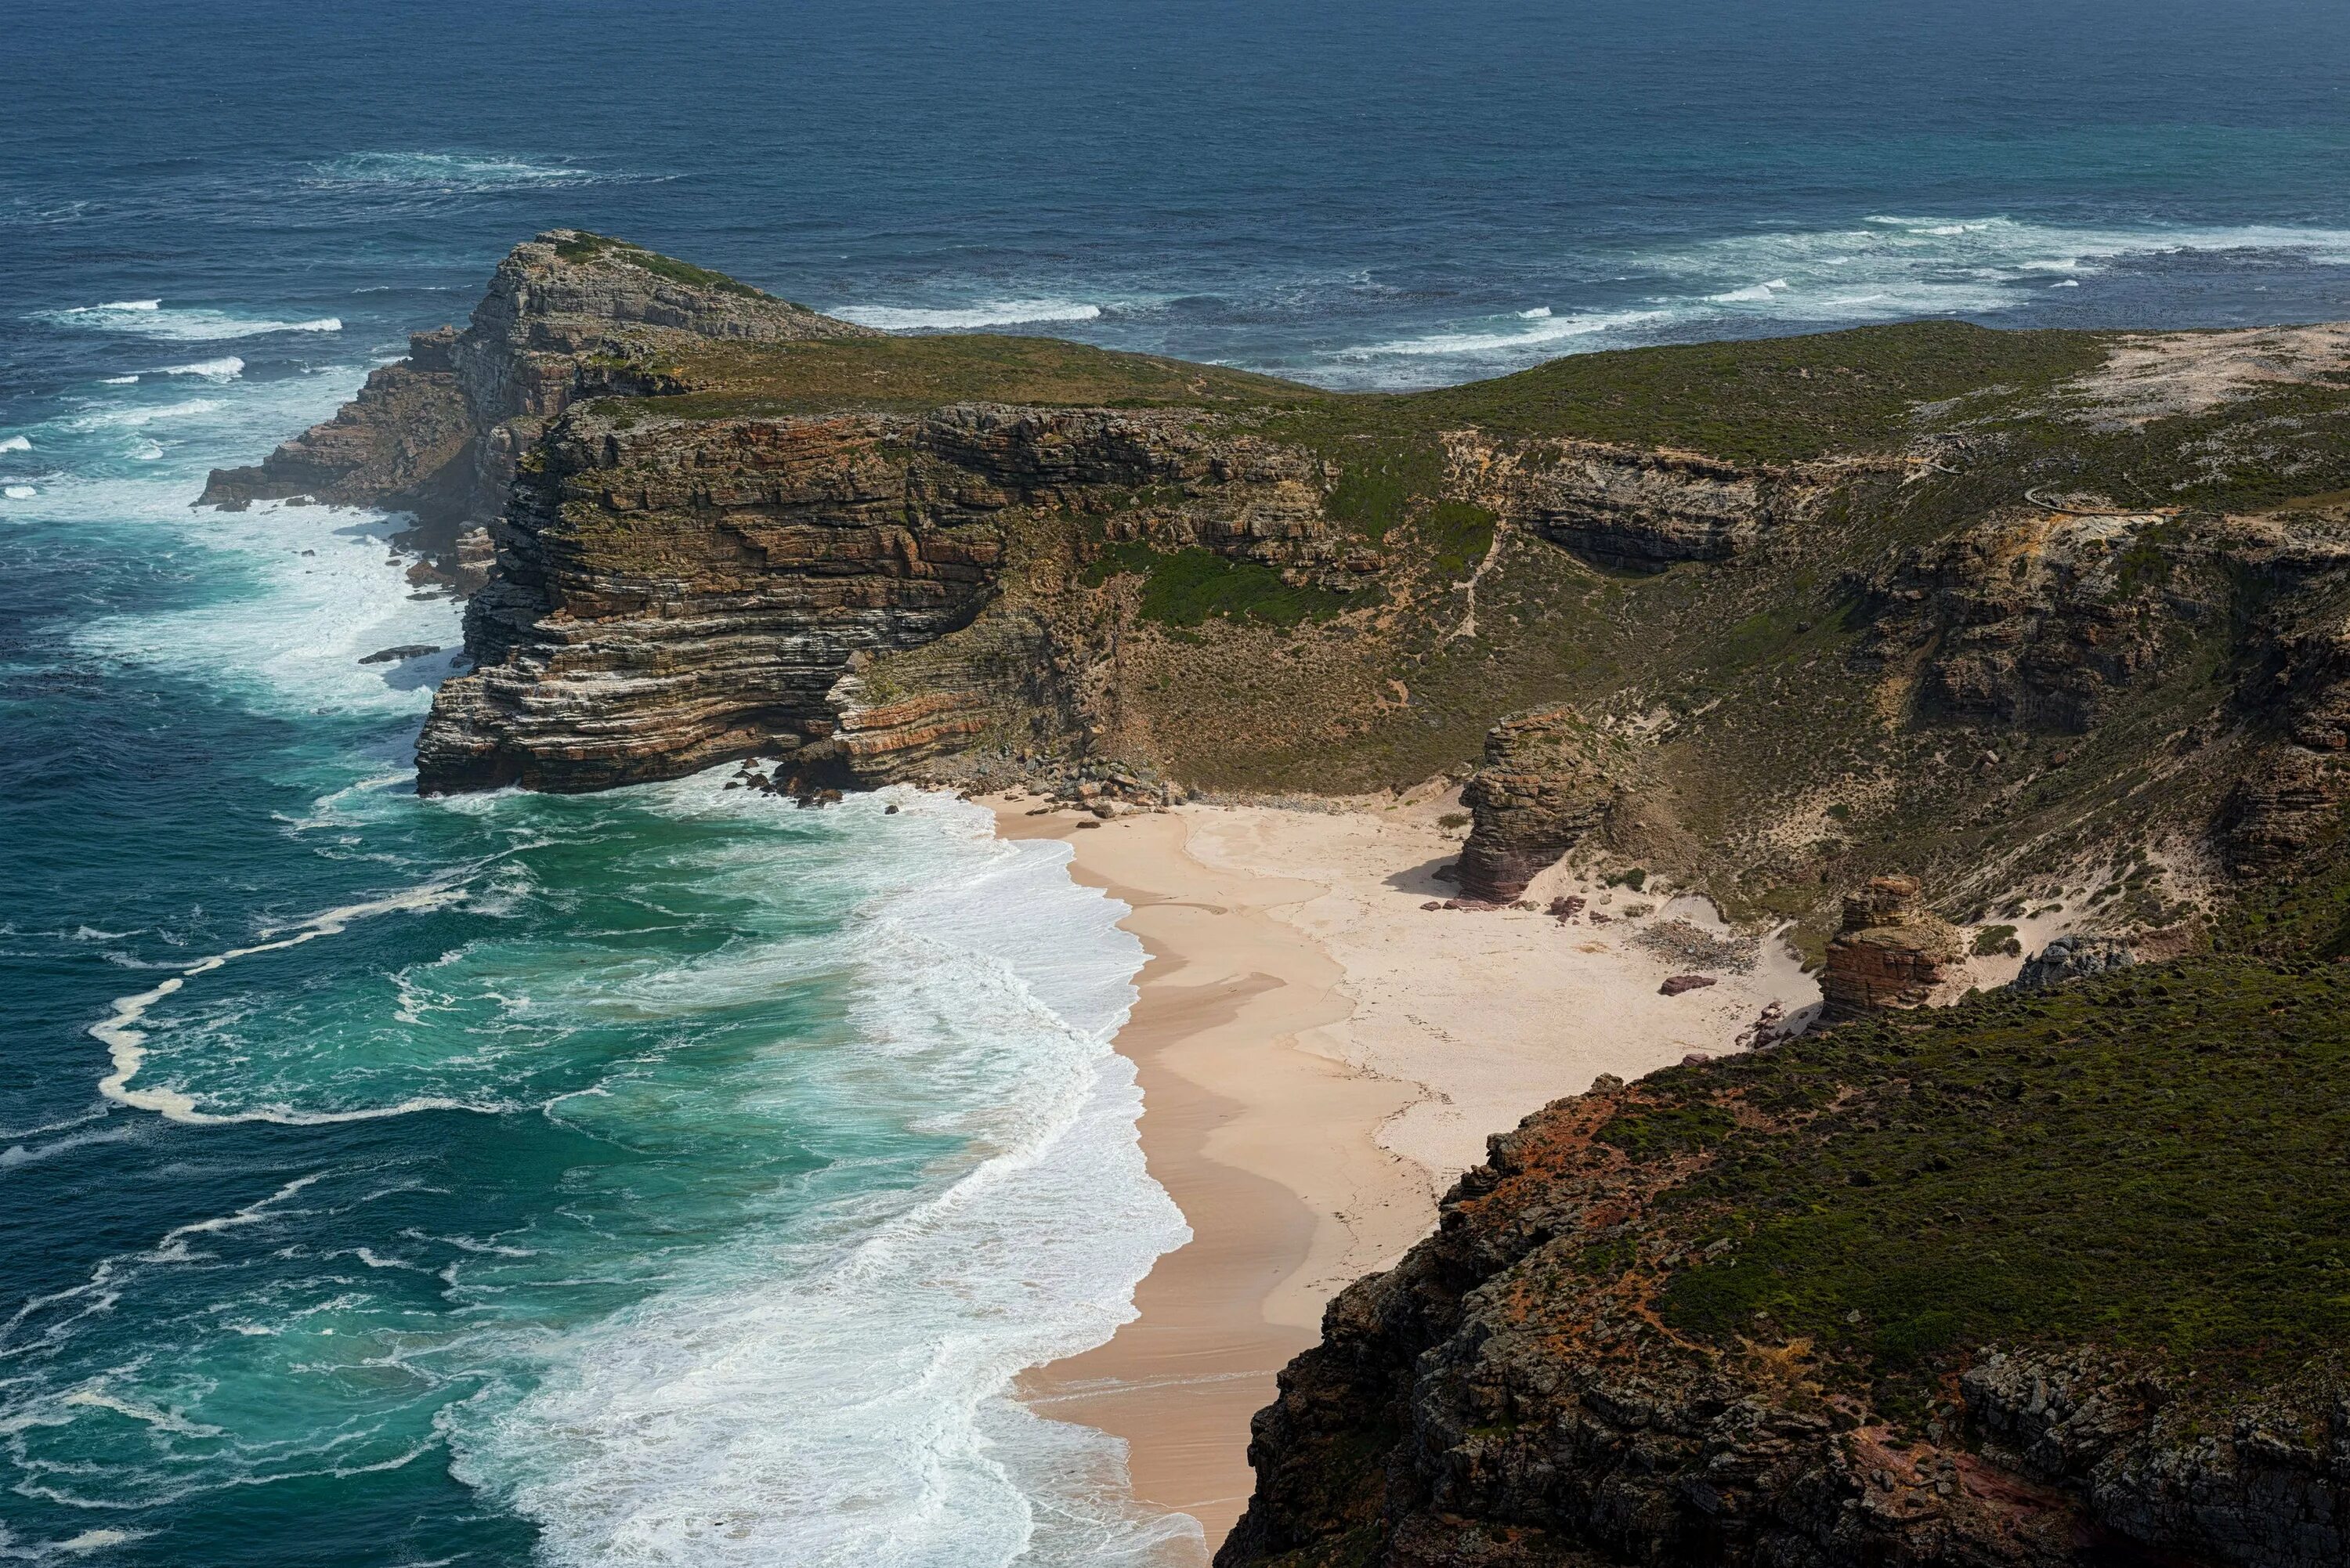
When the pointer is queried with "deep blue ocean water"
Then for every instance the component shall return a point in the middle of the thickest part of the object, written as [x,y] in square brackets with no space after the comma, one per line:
[671,1177]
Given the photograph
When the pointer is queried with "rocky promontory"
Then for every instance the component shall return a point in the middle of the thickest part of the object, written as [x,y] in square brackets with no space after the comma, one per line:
[566,315]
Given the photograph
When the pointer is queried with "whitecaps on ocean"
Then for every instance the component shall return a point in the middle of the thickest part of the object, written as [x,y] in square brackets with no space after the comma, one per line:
[966,319]
[812,1376]
[152,318]
[1881,268]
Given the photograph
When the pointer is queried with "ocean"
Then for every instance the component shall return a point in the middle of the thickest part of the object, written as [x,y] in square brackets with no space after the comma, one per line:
[672,1176]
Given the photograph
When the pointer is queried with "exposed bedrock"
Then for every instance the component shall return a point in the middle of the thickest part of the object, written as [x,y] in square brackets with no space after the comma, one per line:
[2040,619]
[1509,1396]
[1893,953]
[567,314]
[1548,779]
[669,593]
[1637,507]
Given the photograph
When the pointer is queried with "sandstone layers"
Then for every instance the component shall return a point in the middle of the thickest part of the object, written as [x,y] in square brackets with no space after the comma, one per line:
[1893,953]
[1548,781]
[672,593]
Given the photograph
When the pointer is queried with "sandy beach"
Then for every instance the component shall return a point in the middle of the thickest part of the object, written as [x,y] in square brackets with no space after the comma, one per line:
[1320,1056]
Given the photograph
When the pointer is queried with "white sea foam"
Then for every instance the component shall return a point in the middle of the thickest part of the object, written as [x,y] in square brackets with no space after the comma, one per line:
[227,367]
[1881,268]
[19,492]
[1539,331]
[845,1404]
[148,318]
[126,1041]
[119,382]
[16,444]
[996,313]
[455,173]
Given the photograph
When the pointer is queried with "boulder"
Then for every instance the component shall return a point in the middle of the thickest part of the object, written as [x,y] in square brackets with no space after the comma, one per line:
[2073,956]
[1892,952]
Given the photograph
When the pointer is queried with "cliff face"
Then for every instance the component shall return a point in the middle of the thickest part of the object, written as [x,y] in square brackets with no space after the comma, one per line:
[566,315]
[1816,1305]
[671,593]
[1628,507]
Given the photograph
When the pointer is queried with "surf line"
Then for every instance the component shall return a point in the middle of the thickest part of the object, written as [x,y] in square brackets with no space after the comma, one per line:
[126,1043]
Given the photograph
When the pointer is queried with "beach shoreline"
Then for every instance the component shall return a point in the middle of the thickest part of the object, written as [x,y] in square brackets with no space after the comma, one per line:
[1320,1056]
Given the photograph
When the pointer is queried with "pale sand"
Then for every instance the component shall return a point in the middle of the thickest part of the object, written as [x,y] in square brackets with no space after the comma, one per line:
[1320,1058]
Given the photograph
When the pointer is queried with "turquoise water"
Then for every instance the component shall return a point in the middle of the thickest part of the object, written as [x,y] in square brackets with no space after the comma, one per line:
[671,1177]
[667,1176]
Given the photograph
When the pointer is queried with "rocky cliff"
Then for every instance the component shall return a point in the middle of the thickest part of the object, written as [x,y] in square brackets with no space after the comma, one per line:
[566,315]
[1909,1295]
[671,592]
[1835,603]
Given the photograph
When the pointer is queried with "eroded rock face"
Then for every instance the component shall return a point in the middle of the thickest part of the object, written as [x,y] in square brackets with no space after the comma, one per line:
[2035,619]
[1630,507]
[1893,953]
[2074,956]
[672,593]
[566,315]
[1548,779]
[1498,1401]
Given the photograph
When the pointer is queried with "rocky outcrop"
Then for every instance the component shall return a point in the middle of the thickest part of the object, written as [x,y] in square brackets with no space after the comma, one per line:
[2037,618]
[1515,1394]
[671,593]
[1548,779]
[1892,952]
[1635,507]
[2075,955]
[568,315]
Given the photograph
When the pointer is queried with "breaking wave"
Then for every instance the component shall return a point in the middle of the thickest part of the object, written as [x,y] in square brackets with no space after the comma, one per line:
[965,318]
[151,318]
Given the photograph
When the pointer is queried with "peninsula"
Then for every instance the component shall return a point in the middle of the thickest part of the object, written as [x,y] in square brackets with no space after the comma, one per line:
[1679,698]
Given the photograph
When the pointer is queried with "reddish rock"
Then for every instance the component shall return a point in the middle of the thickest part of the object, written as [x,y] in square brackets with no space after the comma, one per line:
[1681,982]
[1893,951]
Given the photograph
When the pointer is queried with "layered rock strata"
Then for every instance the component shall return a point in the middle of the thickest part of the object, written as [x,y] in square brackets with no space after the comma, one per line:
[671,593]
[1892,952]
[1548,780]
[566,315]
[1633,507]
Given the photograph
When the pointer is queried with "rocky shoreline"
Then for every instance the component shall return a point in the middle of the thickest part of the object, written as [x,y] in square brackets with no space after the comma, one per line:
[1942,654]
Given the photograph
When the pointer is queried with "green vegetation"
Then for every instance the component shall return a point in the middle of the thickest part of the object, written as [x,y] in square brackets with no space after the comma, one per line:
[2153,1161]
[914,374]
[1780,400]
[583,247]
[1187,587]
[1992,940]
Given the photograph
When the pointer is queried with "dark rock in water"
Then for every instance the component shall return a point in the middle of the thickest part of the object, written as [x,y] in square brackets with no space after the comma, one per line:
[2074,956]
[1681,982]
[402,654]
[890,810]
